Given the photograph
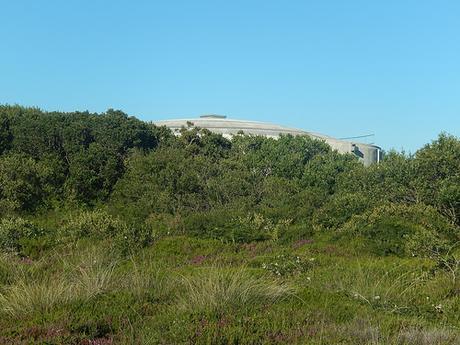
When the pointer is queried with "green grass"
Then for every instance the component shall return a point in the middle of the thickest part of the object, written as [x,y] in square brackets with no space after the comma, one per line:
[219,290]
[185,290]
[90,276]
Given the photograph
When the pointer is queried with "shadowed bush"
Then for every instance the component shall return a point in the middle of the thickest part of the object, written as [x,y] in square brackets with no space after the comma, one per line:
[15,232]
[405,230]
[339,210]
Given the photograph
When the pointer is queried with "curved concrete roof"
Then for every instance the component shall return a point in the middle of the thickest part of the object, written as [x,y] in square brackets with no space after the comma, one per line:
[223,125]
[229,127]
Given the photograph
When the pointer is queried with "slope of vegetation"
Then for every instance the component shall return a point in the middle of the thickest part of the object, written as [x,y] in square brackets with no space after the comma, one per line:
[114,231]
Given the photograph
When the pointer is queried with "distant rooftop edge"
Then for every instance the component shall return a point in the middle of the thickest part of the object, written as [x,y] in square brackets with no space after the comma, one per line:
[367,153]
[213,116]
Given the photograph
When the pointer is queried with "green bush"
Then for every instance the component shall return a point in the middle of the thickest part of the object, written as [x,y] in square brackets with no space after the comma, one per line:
[131,238]
[235,226]
[164,224]
[297,232]
[449,198]
[404,230]
[96,224]
[21,186]
[16,232]
[339,210]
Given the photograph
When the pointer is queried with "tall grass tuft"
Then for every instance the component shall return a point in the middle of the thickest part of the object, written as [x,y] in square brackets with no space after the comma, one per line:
[434,336]
[393,289]
[146,278]
[90,276]
[93,276]
[38,296]
[220,289]
[6,269]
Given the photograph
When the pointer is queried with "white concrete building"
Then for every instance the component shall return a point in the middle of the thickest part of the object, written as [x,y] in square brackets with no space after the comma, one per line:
[366,153]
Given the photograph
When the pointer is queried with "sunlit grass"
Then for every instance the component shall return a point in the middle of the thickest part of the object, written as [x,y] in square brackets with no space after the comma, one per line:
[347,300]
[217,289]
[89,278]
[24,297]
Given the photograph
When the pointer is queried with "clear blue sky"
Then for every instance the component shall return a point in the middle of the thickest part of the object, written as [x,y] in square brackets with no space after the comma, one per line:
[342,68]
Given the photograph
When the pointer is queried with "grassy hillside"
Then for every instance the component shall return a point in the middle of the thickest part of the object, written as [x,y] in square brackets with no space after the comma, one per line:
[186,290]
[114,231]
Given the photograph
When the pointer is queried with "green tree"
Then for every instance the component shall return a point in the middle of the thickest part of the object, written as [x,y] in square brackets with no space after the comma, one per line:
[284,157]
[5,133]
[21,183]
[92,174]
[324,170]
[437,167]
[165,181]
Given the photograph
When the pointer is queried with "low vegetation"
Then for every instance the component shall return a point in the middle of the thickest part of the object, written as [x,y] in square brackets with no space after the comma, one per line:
[114,231]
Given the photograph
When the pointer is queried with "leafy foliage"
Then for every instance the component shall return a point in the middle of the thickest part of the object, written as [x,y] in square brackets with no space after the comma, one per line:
[95,224]
[250,188]
[412,230]
[115,231]
[16,232]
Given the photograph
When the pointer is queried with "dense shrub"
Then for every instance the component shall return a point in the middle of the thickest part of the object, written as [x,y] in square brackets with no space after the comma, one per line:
[392,180]
[96,224]
[235,226]
[249,188]
[90,148]
[15,233]
[339,209]
[285,157]
[164,181]
[21,186]
[164,224]
[99,224]
[405,230]
[449,198]
[131,238]
[323,171]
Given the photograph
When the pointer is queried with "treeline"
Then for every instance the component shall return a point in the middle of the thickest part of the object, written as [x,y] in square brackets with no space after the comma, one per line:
[113,169]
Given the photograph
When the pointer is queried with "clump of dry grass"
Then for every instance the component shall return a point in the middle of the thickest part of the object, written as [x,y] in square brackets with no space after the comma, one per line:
[6,269]
[392,289]
[220,289]
[366,332]
[435,336]
[92,276]
[25,297]
[145,277]
[363,332]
